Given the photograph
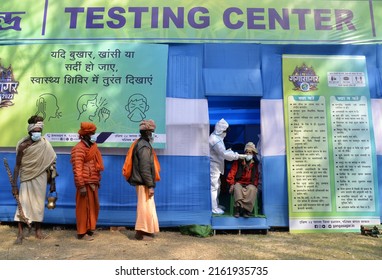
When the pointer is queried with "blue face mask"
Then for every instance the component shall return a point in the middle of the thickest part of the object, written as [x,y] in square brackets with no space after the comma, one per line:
[36,136]
[93,138]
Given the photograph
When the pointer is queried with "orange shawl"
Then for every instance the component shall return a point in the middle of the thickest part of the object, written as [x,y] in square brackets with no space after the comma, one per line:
[95,154]
[156,166]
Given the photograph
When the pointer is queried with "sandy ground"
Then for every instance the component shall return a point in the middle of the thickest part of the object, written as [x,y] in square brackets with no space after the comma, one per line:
[61,244]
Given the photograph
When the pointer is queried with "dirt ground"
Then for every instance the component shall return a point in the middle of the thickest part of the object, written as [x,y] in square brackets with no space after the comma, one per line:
[170,244]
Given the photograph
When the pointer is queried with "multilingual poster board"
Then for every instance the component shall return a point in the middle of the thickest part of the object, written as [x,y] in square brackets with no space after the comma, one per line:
[331,162]
[113,85]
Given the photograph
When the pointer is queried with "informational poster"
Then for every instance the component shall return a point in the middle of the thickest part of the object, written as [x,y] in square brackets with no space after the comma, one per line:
[113,85]
[332,179]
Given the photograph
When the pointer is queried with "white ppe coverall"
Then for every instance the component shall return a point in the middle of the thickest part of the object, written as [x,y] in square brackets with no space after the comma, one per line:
[218,153]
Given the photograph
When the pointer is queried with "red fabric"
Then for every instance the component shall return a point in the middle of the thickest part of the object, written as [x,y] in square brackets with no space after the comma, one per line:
[246,175]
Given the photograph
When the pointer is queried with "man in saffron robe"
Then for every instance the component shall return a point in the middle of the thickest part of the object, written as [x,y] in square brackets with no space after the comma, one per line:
[36,166]
[144,174]
[87,165]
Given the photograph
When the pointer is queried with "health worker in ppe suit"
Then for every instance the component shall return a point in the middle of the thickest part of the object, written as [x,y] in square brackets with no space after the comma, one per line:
[219,153]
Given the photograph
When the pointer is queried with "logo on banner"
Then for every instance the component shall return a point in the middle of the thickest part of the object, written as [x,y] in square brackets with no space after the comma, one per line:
[8,86]
[304,78]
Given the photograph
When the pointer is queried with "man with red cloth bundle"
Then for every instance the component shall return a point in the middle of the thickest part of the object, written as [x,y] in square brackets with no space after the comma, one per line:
[87,165]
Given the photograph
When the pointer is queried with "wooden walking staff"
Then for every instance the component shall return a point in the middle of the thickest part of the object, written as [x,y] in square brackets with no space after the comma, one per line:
[16,196]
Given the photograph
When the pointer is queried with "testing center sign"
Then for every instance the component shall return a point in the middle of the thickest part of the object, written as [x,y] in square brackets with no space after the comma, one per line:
[197,21]
[114,85]
[332,178]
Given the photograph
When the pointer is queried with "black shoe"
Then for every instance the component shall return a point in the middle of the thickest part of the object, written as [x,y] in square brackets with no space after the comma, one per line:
[246,214]
[237,212]
[138,235]
[85,237]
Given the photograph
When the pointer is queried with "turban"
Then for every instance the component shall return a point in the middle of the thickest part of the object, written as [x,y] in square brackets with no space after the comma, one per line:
[87,128]
[35,125]
[147,125]
[250,147]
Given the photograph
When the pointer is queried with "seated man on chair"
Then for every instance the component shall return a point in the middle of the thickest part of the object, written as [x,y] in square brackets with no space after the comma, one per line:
[243,179]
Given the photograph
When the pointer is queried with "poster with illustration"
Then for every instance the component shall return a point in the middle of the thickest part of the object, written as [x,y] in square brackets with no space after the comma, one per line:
[113,85]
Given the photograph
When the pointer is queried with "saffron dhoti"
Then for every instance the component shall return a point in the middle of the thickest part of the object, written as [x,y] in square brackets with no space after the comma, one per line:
[147,219]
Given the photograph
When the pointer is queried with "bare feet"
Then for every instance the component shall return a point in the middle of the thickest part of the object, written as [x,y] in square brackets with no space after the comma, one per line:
[40,235]
[19,240]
